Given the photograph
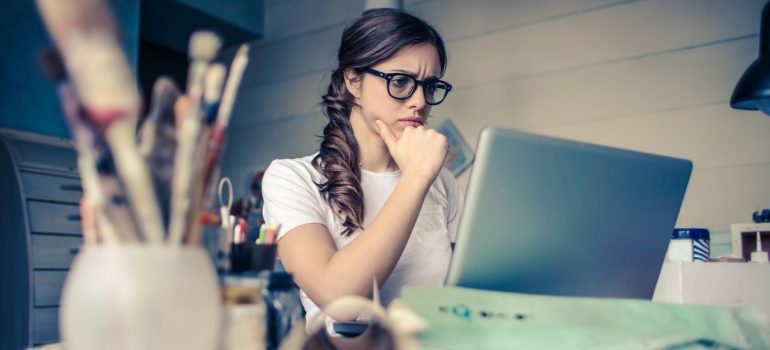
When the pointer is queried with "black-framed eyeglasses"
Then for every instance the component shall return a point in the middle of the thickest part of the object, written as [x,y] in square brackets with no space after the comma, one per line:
[402,86]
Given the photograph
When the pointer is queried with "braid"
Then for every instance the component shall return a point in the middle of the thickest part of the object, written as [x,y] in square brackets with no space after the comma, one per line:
[374,37]
[338,157]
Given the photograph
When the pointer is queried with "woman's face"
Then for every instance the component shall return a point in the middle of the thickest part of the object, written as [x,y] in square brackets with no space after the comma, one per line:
[371,91]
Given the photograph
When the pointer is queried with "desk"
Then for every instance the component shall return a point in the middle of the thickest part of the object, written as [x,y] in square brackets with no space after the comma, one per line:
[715,283]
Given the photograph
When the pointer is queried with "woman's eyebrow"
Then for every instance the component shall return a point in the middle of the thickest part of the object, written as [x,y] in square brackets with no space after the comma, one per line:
[411,73]
[403,71]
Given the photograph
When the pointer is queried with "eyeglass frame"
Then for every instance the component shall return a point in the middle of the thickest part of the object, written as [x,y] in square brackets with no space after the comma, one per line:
[389,76]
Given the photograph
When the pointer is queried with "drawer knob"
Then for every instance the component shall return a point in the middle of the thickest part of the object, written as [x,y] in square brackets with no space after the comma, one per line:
[73,217]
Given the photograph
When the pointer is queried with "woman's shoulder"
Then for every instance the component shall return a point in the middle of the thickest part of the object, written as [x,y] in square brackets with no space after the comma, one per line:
[294,168]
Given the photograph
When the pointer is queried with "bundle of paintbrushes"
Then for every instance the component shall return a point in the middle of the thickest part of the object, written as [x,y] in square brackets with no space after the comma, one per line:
[143,183]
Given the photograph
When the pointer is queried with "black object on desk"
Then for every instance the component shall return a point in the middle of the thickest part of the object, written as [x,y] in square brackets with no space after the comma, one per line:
[249,256]
[350,329]
[284,308]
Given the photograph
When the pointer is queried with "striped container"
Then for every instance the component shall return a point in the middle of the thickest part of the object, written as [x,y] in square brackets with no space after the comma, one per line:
[700,242]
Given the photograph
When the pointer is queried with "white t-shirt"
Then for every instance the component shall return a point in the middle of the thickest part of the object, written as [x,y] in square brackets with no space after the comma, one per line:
[291,199]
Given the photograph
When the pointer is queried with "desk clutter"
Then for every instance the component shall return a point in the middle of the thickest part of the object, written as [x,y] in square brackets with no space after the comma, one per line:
[750,243]
[691,275]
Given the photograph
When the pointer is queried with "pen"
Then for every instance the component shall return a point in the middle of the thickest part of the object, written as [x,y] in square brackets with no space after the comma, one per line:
[262,234]
[242,229]
[270,235]
[237,234]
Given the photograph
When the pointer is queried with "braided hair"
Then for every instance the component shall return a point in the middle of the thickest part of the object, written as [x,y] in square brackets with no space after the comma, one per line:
[374,37]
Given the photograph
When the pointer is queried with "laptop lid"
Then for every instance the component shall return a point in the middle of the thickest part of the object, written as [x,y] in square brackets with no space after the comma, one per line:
[558,217]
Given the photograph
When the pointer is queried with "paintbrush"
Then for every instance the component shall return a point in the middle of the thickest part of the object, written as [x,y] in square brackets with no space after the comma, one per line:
[219,130]
[225,231]
[212,92]
[157,141]
[101,186]
[203,48]
[86,35]
[160,118]
[114,208]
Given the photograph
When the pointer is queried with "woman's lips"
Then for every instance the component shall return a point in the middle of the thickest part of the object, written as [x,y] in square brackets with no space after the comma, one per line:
[411,122]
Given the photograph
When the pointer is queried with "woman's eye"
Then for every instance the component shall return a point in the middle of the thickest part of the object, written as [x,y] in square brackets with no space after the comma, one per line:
[400,81]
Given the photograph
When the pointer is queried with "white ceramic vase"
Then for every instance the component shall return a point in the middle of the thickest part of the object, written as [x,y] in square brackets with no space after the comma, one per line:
[141,297]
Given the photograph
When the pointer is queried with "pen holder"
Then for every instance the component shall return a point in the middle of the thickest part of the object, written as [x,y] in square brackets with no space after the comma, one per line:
[252,257]
[141,297]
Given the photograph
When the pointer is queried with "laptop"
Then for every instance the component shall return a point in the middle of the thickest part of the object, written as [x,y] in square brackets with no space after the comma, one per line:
[558,217]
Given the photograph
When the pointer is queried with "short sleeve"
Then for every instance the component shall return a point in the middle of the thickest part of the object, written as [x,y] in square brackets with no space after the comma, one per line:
[290,197]
[455,204]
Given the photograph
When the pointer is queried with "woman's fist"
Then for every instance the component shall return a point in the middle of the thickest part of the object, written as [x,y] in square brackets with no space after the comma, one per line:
[418,152]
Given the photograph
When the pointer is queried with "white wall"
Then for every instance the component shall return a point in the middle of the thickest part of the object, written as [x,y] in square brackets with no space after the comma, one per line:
[652,75]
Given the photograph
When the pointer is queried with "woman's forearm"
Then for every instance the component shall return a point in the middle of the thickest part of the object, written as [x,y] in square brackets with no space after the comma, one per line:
[375,252]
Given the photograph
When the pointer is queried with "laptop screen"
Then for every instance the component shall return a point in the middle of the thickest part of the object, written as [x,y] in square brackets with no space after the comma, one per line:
[558,217]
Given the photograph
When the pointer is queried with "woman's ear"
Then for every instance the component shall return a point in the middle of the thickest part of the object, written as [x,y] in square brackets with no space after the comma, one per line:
[353,82]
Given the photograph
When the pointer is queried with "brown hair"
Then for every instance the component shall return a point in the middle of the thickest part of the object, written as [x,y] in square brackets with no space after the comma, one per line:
[374,37]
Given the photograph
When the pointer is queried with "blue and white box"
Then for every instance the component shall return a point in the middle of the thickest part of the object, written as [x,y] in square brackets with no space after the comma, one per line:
[689,244]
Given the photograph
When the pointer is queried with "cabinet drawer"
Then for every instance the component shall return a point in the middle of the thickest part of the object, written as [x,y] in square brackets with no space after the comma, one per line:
[53,218]
[54,252]
[31,154]
[45,325]
[52,188]
[48,287]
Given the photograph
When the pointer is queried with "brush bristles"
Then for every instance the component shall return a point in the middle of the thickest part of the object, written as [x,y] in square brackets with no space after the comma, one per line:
[204,45]
[164,89]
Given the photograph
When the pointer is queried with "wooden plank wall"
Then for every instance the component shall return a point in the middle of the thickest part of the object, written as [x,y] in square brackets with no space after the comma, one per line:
[649,75]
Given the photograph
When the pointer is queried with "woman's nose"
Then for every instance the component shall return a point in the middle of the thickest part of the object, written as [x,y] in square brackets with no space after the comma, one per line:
[417,100]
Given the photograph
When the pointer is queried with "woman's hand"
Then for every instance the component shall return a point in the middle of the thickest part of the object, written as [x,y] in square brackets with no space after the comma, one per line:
[419,152]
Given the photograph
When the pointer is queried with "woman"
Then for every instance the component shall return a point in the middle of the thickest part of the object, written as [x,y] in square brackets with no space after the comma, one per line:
[374,202]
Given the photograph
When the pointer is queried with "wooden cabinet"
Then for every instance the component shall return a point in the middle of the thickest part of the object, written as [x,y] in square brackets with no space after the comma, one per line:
[39,234]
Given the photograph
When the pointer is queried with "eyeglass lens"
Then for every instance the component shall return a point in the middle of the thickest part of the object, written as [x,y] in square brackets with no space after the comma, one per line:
[402,86]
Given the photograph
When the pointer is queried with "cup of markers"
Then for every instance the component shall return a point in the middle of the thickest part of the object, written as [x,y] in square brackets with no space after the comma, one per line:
[253,256]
